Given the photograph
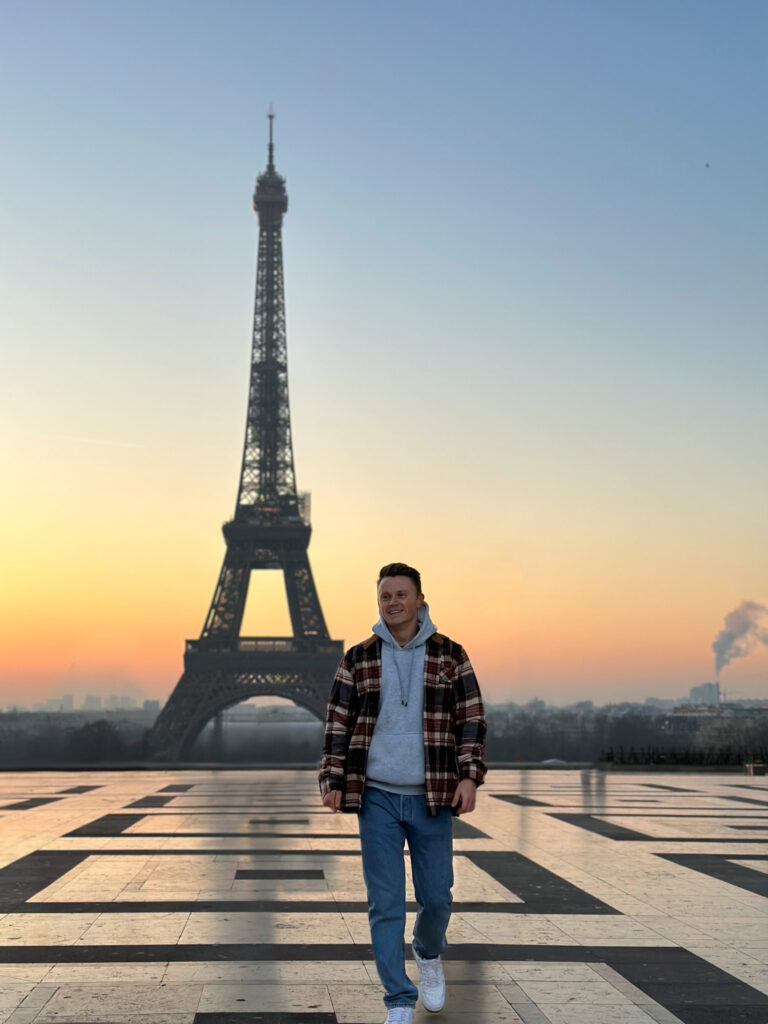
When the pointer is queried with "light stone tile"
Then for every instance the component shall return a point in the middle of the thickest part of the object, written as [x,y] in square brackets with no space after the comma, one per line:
[105,973]
[22,973]
[116,1017]
[134,929]
[559,1013]
[43,929]
[357,1002]
[80,1001]
[679,931]
[31,1005]
[522,972]
[601,927]
[593,993]
[12,993]
[225,998]
[511,928]
[270,972]
[530,1014]
[508,1015]
[262,927]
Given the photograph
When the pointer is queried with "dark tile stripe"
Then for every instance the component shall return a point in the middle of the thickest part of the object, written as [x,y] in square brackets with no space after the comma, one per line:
[29,875]
[601,828]
[279,873]
[226,852]
[264,1017]
[80,789]
[674,789]
[620,833]
[176,788]
[721,866]
[107,825]
[541,891]
[231,835]
[28,805]
[463,830]
[278,821]
[717,1014]
[521,801]
[151,801]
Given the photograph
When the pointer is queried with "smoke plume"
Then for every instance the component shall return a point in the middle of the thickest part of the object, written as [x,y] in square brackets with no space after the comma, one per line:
[743,631]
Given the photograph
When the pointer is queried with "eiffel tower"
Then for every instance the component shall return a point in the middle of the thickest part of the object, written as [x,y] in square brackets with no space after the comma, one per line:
[270,530]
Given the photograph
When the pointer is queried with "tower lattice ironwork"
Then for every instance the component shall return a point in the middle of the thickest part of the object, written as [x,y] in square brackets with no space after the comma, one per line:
[270,530]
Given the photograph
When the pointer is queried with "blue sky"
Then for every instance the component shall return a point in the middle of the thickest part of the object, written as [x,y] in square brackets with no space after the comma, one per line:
[526,244]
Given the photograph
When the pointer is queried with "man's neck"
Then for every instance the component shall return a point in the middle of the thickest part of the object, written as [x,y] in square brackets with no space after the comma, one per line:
[405,633]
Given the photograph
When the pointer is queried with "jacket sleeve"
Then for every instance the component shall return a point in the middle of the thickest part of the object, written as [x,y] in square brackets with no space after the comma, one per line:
[470,721]
[339,723]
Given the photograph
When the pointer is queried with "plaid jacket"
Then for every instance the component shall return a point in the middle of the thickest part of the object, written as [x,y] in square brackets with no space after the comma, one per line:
[454,722]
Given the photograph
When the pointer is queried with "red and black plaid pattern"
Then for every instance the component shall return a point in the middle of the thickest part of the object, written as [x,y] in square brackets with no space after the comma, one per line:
[454,722]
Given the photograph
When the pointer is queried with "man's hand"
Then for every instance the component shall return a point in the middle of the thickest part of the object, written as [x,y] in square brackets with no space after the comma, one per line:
[464,797]
[332,799]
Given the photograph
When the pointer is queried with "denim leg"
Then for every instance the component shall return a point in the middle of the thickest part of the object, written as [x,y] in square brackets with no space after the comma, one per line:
[430,840]
[382,837]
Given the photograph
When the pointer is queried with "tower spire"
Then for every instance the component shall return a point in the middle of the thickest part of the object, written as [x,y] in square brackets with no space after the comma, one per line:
[271,151]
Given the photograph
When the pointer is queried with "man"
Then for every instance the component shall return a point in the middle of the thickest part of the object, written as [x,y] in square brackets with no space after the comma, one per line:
[403,749]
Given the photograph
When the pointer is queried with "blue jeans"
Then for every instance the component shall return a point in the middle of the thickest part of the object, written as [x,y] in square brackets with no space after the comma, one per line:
[386,821]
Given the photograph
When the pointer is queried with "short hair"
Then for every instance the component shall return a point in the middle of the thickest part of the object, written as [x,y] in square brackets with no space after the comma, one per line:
[400,569]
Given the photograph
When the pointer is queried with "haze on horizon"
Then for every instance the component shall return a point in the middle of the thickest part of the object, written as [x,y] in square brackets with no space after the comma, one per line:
[525,256]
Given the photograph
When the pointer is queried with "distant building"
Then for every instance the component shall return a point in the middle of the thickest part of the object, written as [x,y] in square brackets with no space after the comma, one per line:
[660,702]
[705,693]
[112,703]
[127,702]
[152,707]
[67,702]
[92,703]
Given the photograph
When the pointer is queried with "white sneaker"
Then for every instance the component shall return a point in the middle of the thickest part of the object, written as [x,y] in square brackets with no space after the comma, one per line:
[431,982]
[400,1015]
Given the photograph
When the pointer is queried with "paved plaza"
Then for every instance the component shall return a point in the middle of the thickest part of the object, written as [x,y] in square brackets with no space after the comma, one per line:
[233,897]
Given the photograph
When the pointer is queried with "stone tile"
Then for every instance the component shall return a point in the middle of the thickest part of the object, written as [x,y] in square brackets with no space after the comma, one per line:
[43,929]
[12,993]
[285,998]
[569,1013]
[257,927]
[287,971]
[593,993]
[100,973]
[511,928]
[559,972]
[22,972]
[133,929]
[31,1005]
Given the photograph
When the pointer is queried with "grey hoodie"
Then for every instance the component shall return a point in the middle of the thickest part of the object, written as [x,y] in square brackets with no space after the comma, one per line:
[396,755]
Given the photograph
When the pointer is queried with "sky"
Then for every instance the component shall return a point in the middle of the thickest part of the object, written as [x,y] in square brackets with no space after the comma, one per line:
[525,262]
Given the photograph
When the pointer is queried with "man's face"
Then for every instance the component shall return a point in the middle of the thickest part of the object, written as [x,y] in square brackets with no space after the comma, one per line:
[399,602]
